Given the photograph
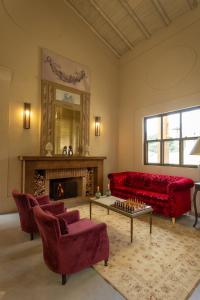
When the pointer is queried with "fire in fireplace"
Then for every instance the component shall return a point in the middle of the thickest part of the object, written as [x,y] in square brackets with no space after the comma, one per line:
[63,188]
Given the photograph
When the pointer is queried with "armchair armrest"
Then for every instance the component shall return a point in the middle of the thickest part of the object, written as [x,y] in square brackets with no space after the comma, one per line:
[54,207]
[71,216]
[82,234]
[181,184]
[44,199]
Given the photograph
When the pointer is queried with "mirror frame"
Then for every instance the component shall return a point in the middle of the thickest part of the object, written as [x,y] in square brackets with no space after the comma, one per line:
[48,101]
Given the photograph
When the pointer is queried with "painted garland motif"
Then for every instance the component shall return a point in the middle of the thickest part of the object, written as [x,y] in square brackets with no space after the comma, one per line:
[70,78]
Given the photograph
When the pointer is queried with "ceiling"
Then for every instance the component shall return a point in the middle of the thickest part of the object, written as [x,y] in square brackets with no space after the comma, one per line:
[122,24]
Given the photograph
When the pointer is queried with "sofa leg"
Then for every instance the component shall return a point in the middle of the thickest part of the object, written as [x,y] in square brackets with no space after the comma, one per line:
[64,279]
[106,262]
[31,236]
[173,220]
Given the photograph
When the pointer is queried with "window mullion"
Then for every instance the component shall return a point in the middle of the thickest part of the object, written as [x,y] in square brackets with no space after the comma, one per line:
[161,143]
[181,142]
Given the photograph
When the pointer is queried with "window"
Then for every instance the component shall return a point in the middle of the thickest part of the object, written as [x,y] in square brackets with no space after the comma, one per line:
[169,137]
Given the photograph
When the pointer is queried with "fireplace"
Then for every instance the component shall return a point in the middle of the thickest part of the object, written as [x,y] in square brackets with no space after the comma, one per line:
[39,172]
[64,188]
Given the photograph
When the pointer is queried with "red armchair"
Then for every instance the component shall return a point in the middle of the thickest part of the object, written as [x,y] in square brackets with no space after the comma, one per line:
[25,204]
[84,244]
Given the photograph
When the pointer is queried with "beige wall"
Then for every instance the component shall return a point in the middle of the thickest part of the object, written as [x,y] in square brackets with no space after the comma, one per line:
[161,75]
[26,27]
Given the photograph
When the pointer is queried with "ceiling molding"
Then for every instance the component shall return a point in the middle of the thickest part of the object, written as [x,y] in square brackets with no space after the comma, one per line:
[135,18]
[114,27]
[162,12]
[93,29]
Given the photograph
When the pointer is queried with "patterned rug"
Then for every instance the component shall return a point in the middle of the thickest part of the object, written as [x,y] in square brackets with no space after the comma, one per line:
[161,266]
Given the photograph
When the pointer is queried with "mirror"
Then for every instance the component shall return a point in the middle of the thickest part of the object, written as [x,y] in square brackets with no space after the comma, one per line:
[65,119]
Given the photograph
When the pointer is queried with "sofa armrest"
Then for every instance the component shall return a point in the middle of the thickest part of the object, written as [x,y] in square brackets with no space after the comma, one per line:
[181,184]
[117,179]
[71,216]
[42,200]
[54,207]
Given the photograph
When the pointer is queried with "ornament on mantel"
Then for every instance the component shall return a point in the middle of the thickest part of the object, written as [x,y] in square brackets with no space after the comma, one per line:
[49,149]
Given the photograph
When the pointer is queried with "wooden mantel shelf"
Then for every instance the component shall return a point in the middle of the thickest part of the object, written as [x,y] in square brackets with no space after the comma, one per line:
[31,164]
[60,157]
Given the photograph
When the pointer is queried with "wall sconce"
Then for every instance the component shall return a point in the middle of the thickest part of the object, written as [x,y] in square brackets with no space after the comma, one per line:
[27,116]
[97,126]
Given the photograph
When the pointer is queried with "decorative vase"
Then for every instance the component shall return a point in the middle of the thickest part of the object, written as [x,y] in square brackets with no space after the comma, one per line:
[108,191]
[98,193]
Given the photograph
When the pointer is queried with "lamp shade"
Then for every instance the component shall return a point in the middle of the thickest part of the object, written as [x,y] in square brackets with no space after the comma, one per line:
[196,148]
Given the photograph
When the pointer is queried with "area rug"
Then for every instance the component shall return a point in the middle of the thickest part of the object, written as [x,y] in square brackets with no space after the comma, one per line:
[161,266]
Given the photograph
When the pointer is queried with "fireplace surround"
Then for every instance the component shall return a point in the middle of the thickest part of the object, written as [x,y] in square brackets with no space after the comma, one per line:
[38,171]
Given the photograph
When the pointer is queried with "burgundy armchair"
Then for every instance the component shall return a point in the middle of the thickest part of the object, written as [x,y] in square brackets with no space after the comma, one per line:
[25,204]
[70,243]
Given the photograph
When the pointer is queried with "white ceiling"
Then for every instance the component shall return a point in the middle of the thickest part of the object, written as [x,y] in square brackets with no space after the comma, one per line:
[122,24]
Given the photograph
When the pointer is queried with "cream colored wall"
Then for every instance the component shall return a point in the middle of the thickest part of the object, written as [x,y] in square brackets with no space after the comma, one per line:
[161,75]
[26,27]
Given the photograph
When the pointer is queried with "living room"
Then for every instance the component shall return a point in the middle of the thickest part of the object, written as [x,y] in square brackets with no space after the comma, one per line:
[159,75]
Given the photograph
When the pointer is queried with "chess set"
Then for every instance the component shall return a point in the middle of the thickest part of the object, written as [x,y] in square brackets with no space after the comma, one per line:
[130,205]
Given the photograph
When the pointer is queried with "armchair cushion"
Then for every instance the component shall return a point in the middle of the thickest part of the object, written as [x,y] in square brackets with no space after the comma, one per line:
[63,224]
[54,207]
[44,199]
[71,216]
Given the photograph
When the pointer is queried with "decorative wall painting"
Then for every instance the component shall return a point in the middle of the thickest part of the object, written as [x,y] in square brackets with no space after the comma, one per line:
[64,71]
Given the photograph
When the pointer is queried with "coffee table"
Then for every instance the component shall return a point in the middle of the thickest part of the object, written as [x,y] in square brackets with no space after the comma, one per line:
[107,203]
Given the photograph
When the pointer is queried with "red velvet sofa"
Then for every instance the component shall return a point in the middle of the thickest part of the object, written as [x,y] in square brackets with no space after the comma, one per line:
[168,195]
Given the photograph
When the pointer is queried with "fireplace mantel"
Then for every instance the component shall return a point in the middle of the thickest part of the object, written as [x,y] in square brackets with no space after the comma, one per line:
[31,164]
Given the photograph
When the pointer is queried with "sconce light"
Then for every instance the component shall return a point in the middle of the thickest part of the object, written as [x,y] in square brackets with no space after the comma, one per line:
[27,116]
[97,126]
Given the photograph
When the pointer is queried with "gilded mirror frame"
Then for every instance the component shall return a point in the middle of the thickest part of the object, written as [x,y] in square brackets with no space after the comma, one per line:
[48,101]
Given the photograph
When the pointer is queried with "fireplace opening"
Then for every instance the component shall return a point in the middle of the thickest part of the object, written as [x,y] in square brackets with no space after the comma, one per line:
[64,188]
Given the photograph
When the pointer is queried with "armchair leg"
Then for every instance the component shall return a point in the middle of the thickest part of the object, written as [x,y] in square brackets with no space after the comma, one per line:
[64,279]
[31,236]
[106,262]
[173,220]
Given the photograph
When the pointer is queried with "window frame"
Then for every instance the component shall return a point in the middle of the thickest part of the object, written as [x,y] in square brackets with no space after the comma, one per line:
[162,140]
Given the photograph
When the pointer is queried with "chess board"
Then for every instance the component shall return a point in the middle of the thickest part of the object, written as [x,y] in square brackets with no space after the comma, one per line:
[130,205]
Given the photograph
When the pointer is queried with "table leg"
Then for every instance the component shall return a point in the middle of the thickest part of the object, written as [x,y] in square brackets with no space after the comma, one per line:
[90,210]
[131,230]
[108,211]
[195,208]
[150,222]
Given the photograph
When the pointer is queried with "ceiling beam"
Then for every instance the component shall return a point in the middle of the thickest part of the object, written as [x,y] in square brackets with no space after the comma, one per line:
[162,12]
[114,27]
[192,4]
[93,29]
[189,4]
[135,18]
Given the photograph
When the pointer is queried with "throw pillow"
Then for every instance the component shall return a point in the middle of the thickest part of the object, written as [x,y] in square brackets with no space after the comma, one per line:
[63,224]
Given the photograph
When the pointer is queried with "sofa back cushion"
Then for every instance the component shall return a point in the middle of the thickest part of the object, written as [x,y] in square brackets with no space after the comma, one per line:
[151,182]
[137,180]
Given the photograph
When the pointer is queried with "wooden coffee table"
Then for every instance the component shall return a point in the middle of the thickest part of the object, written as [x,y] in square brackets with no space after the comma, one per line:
[107,203]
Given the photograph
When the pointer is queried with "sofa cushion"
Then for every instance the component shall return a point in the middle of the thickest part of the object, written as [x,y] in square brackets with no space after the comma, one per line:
[137,180]
[152,195]
[151,182]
